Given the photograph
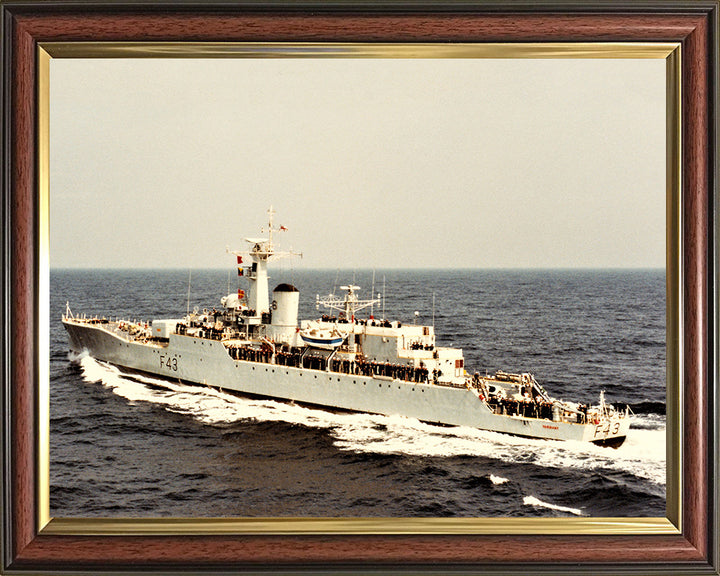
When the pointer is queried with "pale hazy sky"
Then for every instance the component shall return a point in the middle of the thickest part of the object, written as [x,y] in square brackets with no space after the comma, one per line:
[369,163]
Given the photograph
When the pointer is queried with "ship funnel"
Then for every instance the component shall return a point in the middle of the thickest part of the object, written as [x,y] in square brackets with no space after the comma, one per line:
[284,307]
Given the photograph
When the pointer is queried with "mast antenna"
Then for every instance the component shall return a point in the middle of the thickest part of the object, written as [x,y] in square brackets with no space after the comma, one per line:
[188,298]
[383,298]
[433,310]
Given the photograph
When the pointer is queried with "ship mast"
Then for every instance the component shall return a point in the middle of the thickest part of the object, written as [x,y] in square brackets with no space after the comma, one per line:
[262,251]
[348,306]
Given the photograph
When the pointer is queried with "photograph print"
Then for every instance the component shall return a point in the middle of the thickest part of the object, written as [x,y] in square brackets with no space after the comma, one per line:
[357,287]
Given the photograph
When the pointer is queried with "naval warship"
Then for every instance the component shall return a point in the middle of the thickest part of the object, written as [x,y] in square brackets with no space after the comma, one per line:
[254,345]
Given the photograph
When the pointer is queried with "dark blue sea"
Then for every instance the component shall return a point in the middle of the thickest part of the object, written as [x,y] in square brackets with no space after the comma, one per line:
[140,447]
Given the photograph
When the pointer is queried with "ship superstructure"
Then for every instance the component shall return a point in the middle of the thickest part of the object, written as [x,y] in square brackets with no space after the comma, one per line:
[255,345]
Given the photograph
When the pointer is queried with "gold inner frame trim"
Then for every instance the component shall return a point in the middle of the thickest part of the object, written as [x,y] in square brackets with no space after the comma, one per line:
[381,526]
[43,289]
[356,50]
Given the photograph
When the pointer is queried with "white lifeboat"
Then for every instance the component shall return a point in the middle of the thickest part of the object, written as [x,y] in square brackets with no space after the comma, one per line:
[325,339]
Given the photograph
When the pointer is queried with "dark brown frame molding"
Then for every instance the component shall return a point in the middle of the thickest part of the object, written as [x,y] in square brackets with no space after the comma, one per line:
[693,24]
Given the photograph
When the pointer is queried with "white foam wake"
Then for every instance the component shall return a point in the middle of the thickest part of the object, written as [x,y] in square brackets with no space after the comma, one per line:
[532,501]
[77,356]
[497,479]
[643,453]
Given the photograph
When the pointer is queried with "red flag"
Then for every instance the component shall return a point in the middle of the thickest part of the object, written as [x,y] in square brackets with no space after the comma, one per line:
[283,228]
[240,271]
[241,293]
[239,259]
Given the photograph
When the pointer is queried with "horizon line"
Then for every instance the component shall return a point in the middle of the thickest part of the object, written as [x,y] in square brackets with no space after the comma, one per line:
[369,269]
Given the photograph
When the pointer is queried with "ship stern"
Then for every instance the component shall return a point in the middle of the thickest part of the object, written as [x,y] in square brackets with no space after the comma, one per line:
[610,431]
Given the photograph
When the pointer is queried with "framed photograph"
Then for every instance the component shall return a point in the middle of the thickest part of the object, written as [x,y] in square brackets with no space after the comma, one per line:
[546,175]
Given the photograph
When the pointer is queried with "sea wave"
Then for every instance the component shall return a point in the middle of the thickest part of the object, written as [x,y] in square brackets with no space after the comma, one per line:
[498,479]
[532,501]
[648,407]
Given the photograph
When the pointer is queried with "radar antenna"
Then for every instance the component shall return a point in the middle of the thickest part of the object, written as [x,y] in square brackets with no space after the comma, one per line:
[347,305]
[264,248]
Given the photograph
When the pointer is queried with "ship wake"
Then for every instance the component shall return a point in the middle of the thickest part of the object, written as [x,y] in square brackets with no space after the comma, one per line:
[642,454]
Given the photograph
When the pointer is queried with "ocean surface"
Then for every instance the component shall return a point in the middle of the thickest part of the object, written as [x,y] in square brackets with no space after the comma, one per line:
[137,446]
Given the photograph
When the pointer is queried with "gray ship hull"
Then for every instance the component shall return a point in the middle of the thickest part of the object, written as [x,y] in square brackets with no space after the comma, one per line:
[207,362]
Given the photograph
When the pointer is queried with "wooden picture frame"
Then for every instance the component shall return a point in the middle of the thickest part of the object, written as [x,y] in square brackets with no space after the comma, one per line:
[29,545]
